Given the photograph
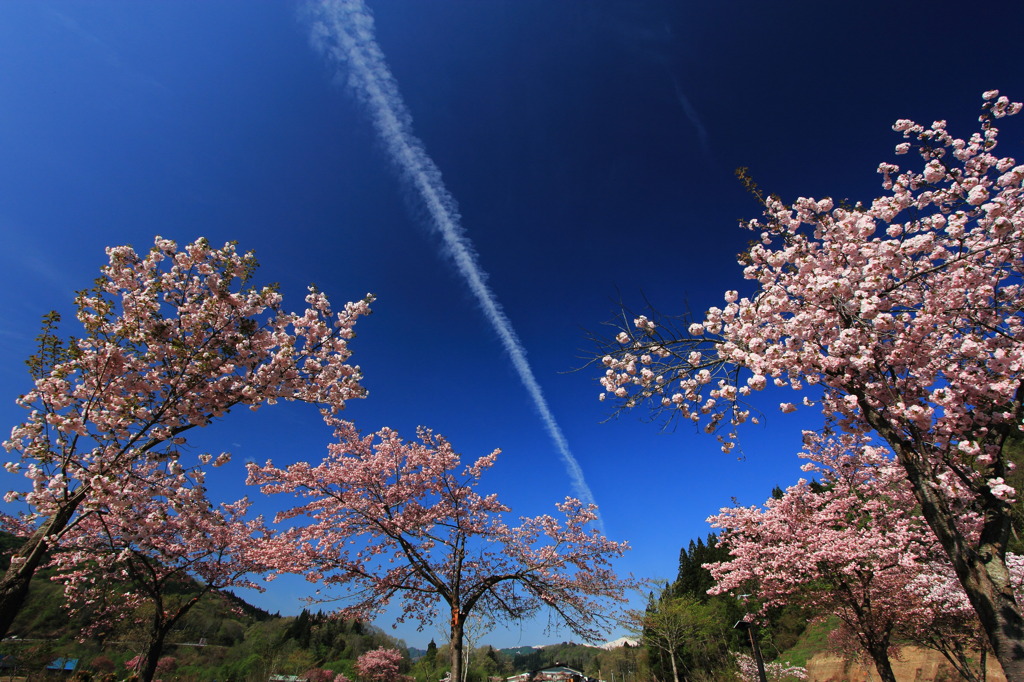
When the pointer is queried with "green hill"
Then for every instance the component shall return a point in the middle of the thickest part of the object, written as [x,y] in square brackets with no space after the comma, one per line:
[223,637]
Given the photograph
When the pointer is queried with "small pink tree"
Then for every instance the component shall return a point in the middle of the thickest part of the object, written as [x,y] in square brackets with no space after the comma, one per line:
[133,663]
[903,316]
[381,665]
[852,545]
[848,546]
[389,518]
[171,340]
[166,664]
[321,675]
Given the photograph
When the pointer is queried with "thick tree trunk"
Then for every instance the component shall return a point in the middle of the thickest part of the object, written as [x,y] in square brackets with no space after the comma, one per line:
[880,655]
[156,646]
[675,668]
[981,570]
[983,573]
[15,583]
[455,644]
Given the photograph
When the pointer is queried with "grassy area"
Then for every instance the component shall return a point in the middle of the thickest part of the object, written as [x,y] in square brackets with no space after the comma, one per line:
[812,640]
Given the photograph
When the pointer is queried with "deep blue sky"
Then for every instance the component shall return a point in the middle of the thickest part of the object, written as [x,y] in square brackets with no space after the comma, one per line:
[590,146]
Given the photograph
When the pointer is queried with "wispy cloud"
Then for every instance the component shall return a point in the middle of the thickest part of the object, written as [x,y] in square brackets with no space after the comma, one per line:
[694,119]
[104,51]
[343,31]
[18,253]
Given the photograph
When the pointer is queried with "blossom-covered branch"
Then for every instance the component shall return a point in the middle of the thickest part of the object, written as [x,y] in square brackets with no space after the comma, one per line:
[172,339]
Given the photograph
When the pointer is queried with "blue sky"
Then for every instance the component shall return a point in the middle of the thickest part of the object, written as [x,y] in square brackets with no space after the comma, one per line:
[589,145]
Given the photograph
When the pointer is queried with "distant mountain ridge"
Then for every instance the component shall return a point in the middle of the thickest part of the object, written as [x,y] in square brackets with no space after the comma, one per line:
[619,643]
[607,646]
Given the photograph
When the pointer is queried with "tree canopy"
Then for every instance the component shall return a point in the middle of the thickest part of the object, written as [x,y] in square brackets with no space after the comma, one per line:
[389,518]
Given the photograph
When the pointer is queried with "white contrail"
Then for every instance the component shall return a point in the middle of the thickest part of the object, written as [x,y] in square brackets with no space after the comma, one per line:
[343,31]
[691,115]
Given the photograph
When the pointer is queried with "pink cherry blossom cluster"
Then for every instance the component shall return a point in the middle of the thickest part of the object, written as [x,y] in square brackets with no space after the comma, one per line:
[322,675]
[173,339]
[150,541]
[157,543]
[909,305]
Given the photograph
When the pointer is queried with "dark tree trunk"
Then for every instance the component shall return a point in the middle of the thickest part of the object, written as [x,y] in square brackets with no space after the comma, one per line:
[981,570]
[455,644]
[985,578]
[15,583]
[156,646]
[880,655]
[159,630]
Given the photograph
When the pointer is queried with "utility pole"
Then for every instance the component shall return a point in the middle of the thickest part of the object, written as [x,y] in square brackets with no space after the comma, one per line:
[752,634]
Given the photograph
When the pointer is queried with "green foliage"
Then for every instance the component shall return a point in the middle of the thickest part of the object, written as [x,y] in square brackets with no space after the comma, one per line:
[693,579]
[486,662]
[625,663]
[577,656]
[783,630]
[812,640]
[689,638]
[686,624]
[430,666]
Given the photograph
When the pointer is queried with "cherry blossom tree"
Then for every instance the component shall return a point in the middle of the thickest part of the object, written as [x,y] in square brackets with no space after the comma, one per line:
[150,556]
[902,317]
[171,340]
[945,621]
[388,518]
[949,624]
[852,546]
[381,665]
[843,550]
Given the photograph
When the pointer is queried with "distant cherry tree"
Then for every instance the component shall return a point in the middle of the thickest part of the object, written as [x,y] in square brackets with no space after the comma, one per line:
[846,546]
[171,340]
[381,665]
[902,317]
[322,675]
[389,518]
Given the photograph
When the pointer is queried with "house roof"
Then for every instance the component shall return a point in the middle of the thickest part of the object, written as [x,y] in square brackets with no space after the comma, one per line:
[63,664]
